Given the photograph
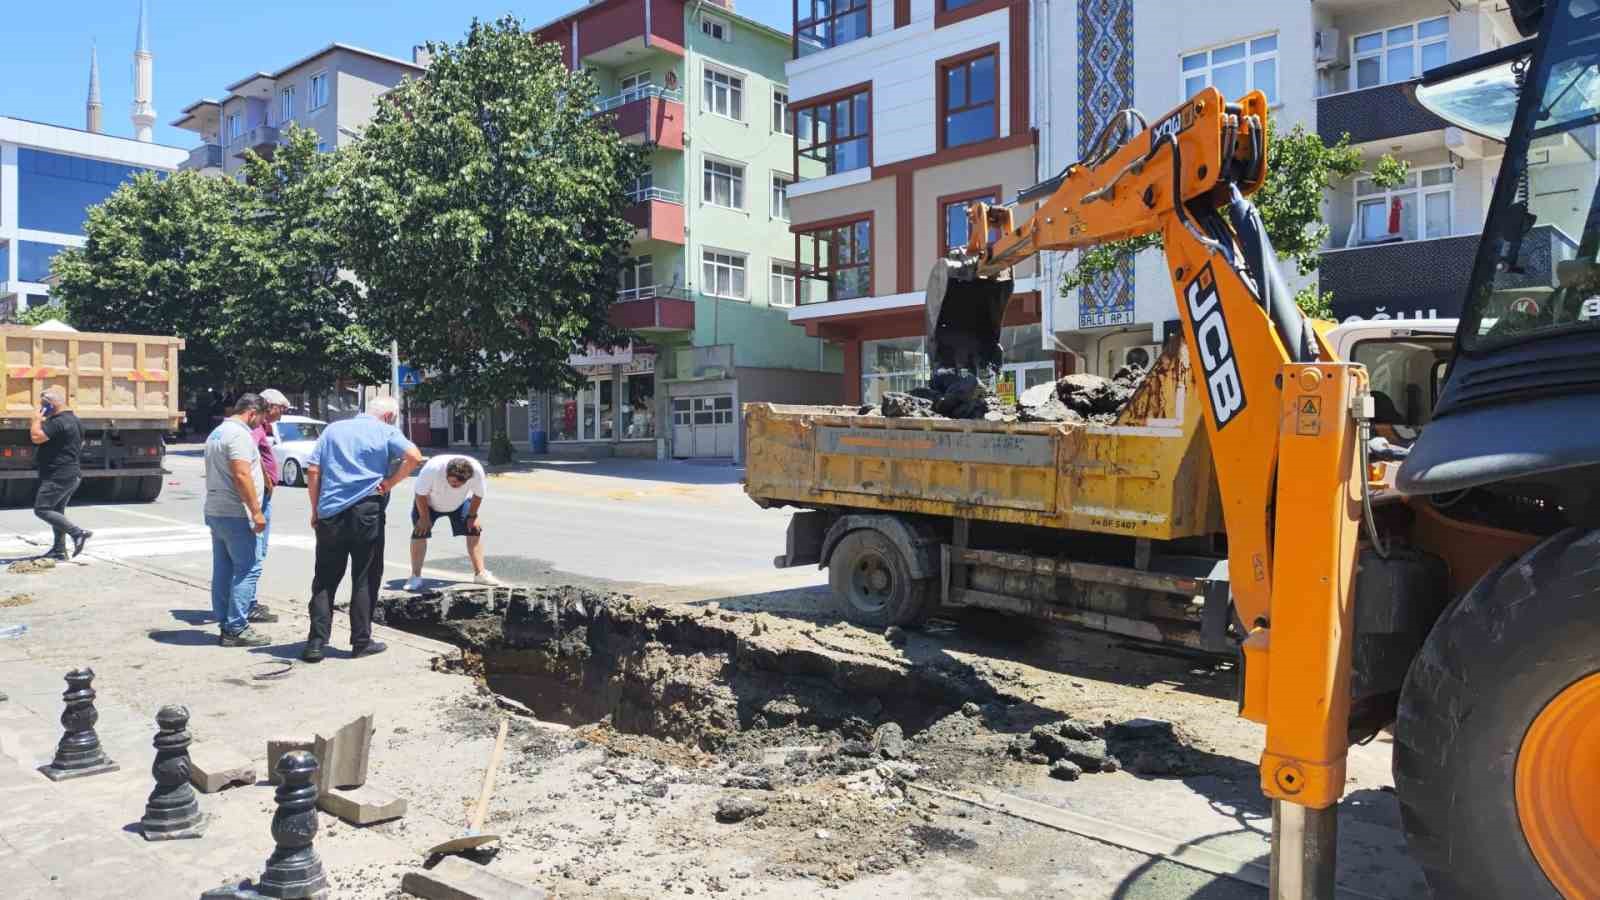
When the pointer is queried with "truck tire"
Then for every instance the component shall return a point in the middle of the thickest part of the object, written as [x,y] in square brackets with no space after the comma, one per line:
[20,491]
[872,581]
[149,488]
[1494,756]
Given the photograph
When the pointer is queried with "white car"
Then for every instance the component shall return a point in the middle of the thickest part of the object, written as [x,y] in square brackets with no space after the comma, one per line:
[292,440]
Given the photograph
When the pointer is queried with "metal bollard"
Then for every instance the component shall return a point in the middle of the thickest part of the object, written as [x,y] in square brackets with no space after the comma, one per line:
[173,811]
[79,753]
[294,870]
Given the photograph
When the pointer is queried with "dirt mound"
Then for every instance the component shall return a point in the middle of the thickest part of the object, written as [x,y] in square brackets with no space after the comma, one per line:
[1141,746]
[960,394]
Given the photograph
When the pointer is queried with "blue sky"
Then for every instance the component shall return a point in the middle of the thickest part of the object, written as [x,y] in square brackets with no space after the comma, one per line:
[202,46]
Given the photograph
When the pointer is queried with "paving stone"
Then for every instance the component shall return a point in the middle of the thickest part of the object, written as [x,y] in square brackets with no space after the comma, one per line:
[456,879]
[344,756]
[365,805]
[276,748]
[214,766]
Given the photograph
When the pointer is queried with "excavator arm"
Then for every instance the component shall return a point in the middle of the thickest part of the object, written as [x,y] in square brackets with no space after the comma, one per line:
[1281,416]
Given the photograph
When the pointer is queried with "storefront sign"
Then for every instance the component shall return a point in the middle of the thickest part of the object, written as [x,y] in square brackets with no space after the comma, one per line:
[602,356]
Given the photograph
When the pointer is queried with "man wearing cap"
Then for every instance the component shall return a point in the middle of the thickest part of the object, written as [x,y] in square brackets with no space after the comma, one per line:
[273,405]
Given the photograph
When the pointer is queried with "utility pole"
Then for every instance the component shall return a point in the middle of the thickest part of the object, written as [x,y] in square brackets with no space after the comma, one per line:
[394,385]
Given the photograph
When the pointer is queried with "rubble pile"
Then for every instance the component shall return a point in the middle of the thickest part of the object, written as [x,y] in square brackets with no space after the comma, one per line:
[1141,746]
[953,394]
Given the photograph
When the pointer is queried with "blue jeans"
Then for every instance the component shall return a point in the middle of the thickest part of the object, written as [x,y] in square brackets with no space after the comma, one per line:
[234,570]
[261,546]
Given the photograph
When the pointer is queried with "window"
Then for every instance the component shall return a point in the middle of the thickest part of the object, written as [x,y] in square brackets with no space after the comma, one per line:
[953,214]
[633,86]
[638,279]
[820,24]
[780,292]
[948,5]
[780,112]
[969,99]
[1421,207]
[724,94]
[834,262]
[639,190]
[894,364]
[299,431]
[286,105]
[322,146]
[723,184]
[715,28]
[33,260]
[1234,70]
[780,196]
[319,91]
[235,127]
[836,133]
[54,191]
[723,273]
[1401,53]
[639,408]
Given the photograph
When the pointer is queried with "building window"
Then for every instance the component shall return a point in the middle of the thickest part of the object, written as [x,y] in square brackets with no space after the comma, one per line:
[820,24]
[724,94]
[836,133]
[639,408]
[638,279]
[632,87]
[835,261]
[33,260]
[895,364]
[1235,69]
[948,5]
[639,190]
[723,274]
[780,292]
[715,28]
[723,184]
[969,90]
[286,106]
[780,112]
[318,92]
[953,215]
[1421,207]
[235,127]
[780,196]
[55,191]
[1401,53]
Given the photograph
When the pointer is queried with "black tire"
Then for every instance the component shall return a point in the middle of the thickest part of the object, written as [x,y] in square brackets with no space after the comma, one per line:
[291,474]
[1525,631]
[149,488]
[872,581]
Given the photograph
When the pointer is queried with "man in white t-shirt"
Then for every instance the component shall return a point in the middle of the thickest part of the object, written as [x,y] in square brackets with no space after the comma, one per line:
[453,487]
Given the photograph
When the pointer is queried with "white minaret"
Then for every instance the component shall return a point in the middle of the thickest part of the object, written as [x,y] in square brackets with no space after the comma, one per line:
[144,112]
[91,109]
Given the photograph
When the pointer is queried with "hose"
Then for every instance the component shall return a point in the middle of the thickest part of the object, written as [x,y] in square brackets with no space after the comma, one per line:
[1378,546]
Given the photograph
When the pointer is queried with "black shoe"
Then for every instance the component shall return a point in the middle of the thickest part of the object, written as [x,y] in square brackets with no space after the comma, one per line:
[312,652]
[246,637]
[57,555]
[260,613]
[81,538]
[370,648]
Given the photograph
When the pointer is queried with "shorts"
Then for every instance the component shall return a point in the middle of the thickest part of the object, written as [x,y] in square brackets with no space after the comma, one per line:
[459,526]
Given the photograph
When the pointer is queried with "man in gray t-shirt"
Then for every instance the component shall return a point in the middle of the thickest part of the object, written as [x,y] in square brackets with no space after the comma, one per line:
[233,513]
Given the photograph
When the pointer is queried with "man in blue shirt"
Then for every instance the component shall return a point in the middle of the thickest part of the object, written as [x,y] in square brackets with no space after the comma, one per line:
[349,474]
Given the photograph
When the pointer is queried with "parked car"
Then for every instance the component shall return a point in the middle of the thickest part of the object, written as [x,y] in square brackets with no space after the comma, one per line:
[292,440]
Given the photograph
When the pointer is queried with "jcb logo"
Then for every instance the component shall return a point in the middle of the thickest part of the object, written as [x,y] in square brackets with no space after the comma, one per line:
[1216,348]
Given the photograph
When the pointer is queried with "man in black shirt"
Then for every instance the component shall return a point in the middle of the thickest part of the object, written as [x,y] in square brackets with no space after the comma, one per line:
[59,436]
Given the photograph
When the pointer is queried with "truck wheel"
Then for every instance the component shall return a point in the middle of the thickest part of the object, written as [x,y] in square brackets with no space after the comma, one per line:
[1494,760]
[291,474]
[873,581]
[149,488]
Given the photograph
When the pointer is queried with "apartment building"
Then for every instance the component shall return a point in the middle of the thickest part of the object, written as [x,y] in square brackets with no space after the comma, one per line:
[332,92]
[1332,66]
[712,276]
[905,111]
[49,178]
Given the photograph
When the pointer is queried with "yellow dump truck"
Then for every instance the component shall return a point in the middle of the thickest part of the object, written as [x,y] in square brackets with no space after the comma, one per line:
[124,388]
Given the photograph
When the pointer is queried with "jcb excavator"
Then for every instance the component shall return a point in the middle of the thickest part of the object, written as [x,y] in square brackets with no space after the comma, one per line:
[1497,725]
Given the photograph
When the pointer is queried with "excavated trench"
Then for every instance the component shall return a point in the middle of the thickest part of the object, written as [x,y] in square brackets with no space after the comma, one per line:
[699,676]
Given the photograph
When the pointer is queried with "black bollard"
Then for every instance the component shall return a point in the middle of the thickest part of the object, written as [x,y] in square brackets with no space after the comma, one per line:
[79,752]
[172,812]
[294,870]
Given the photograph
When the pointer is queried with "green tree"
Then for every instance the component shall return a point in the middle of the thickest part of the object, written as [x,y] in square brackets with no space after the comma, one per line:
[1300,166]
[483,215]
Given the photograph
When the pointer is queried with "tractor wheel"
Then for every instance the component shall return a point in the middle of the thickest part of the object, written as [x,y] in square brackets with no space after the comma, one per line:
[873,581]
[1495,756]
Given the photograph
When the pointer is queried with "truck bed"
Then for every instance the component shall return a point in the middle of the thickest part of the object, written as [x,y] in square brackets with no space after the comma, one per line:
[129,379]
[1076,476]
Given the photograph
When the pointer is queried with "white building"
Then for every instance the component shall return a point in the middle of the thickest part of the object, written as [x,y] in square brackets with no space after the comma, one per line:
[1332,66]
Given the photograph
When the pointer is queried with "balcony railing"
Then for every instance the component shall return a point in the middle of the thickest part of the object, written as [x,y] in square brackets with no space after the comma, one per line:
[1377,113]
[643,292]
[205,156]
[655,193]
[263,139]
[638,93]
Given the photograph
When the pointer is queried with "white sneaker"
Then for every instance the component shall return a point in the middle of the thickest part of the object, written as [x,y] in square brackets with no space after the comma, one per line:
[413,584]
[487,577]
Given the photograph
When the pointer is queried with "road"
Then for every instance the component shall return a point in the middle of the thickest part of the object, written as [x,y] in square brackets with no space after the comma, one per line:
[611,523]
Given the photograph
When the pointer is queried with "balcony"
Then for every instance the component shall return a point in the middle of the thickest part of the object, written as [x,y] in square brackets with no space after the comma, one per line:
[656,215]
[263,139]
[644,310]
[1381,113]
[651,115]
[203,158]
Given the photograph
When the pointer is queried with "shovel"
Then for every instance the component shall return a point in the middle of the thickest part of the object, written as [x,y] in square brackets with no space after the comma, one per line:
[473,837]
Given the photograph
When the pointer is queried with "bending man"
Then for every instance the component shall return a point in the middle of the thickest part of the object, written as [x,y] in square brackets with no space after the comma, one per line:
[452,487]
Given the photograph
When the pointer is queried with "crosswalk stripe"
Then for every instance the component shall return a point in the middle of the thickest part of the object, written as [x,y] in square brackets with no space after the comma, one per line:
[138,543]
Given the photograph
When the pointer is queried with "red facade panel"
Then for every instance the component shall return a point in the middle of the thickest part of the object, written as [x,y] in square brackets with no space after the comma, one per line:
[653,314]
[661,220]
[660,121]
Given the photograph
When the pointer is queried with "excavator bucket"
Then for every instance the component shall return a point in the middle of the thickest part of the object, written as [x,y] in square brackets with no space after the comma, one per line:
[964,315]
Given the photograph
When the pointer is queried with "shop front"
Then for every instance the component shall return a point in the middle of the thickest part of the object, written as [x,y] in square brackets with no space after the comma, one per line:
[900,364]
[612,413]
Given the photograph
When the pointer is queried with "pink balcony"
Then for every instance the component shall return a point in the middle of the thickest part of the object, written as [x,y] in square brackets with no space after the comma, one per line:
[656,215]
[640,310]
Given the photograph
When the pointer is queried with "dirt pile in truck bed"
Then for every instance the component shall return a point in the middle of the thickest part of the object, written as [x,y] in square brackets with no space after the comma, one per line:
[1079,397]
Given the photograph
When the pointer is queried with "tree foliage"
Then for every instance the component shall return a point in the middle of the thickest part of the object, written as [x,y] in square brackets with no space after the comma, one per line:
[1300,167]
[483,214]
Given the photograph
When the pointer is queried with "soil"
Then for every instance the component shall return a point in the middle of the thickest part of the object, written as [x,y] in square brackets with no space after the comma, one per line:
[1079,397]
[21,598]
[31,566]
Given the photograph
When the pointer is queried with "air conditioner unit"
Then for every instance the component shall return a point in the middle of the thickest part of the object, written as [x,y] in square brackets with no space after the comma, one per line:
[1326,47]
[1142,355]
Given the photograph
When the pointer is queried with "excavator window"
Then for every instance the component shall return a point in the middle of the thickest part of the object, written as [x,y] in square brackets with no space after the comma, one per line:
[1404,375]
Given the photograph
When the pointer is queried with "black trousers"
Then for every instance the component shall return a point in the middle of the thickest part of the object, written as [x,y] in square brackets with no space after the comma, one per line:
[50,504]
[353,537]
